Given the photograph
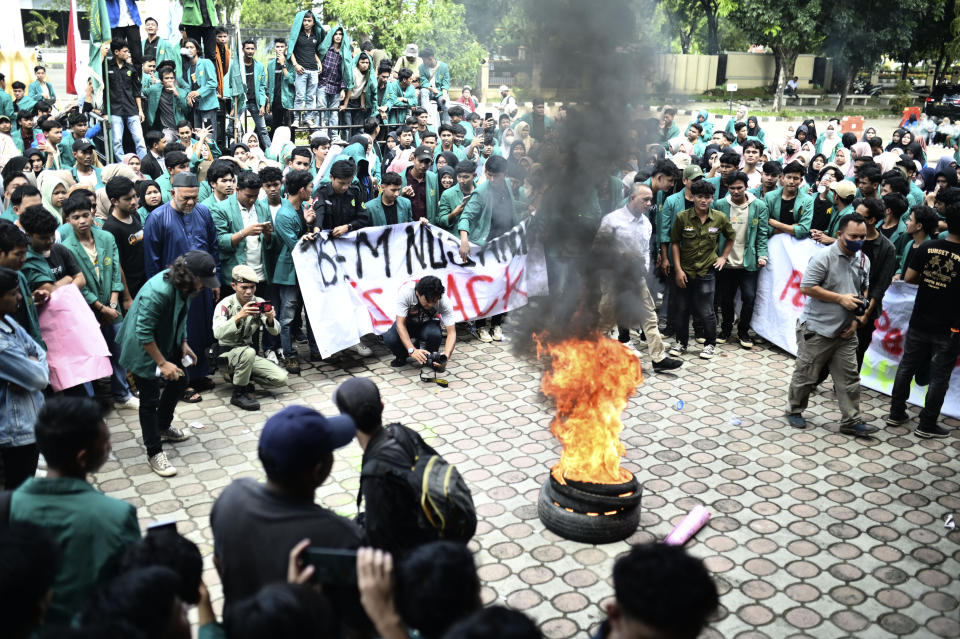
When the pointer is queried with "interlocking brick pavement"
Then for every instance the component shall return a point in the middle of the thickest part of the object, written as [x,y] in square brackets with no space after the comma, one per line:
[813,533]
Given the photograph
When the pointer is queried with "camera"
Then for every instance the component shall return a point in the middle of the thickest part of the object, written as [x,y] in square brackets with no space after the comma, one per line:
[862,305]
[428,370]
[437,361]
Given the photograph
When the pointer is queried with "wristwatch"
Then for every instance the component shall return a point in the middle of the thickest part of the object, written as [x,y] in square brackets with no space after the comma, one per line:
[410,351]
[113,305]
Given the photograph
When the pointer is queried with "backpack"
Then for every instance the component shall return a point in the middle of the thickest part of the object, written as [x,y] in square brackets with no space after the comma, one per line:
[443,501]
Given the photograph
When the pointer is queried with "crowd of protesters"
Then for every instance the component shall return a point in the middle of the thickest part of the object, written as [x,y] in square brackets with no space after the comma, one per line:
[182,251]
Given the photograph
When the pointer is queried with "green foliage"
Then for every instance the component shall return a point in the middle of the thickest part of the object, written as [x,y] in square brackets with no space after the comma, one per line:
[41,28]
[272,12]
[394,23]
[903,98]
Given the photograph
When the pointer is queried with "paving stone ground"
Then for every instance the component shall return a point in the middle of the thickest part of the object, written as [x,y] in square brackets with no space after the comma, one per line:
[813,533]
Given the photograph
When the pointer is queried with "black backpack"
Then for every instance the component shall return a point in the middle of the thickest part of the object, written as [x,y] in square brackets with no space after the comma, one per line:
[444,504]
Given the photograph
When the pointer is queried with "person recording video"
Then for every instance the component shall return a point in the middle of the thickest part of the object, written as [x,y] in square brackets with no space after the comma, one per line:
[417,324]
[236,320]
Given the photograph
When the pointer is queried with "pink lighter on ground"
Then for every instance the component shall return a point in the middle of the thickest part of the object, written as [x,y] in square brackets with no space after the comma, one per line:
[687,528]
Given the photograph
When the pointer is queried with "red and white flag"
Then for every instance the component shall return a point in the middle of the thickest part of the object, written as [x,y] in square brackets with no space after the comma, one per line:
[73,39]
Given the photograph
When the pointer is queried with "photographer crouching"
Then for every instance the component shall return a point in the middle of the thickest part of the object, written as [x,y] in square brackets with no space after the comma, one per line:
[417,324]
[236,320]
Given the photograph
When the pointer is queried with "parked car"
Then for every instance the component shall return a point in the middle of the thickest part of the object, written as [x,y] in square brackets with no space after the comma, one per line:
[943,101]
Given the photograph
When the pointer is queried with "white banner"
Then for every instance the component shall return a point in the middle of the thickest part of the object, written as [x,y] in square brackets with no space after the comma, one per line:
[780,303]
[349,284]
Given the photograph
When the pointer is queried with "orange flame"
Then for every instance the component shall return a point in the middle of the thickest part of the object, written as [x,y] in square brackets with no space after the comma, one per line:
[590,380]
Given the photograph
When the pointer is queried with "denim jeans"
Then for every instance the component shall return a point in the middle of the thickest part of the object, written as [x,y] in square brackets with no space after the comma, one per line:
[259,125]
[306,94]
[156,408]
[132,124]
[426,97]
[210,117]
[424,335]
[698,298]
[729,280]
[118,381]
[291,305]
[329,119]
[939,351]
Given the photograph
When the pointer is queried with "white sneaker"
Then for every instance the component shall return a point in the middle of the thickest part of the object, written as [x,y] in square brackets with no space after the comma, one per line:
[160,465]
[130,403]
[362,350]
[496,333]
[484,335]
[271,356]
[633,349]
[707,351]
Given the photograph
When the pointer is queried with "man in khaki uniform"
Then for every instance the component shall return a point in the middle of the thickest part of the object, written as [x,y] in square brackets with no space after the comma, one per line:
[236,320]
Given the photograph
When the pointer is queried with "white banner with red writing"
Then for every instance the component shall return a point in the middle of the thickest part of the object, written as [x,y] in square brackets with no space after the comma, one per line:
[350,284]
[779,305]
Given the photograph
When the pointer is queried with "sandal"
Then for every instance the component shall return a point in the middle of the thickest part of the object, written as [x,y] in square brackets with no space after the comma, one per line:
[204,384]
[191,396]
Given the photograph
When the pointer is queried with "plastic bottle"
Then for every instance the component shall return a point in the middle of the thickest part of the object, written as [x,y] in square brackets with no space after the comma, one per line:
[694,521]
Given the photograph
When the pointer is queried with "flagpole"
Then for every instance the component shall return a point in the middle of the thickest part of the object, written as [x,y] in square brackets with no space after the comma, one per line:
[108,128]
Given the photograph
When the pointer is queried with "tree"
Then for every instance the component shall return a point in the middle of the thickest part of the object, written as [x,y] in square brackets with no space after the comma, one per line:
[685,18]
[394,23]
[852,53]
[274,12]
[41,28]
[796,29]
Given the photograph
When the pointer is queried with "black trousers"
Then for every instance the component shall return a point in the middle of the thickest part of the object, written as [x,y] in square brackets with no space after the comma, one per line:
[18,464]
[426,335]
[206,36]
[130,35]
[158,399]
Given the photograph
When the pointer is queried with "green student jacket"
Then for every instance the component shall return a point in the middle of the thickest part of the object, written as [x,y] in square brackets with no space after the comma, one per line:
[379,218]
[804,205]
[758,230]
[228,220]
[98,288]
[158,314]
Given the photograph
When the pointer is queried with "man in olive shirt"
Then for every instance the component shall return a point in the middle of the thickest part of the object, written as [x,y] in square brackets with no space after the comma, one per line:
[694,239]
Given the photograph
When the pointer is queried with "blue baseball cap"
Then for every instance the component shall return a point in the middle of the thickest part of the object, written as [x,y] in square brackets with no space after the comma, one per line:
[298,437]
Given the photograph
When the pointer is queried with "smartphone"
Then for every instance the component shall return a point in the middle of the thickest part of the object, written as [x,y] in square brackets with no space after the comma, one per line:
[468,196]
[162,527]
[206,123]
[41,139]
[332,565]
[487,116]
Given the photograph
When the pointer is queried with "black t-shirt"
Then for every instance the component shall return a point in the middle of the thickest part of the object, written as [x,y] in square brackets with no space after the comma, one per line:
[62,262]
[254,530]
[251,89]
[821,214]
[390,212]
[501,220]
[131,255]
[305,50]
[887,232]
[937,306]
[786,211]
[150,49]
[168,118]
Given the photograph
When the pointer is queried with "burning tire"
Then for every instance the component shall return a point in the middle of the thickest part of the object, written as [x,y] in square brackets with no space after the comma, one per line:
[601,526]
[605,496]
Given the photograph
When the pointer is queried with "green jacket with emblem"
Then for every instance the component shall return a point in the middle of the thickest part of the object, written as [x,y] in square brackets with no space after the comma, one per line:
[804,205]
[379,218]
[158,314]
[98,288]
[228,220]
[758,230]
